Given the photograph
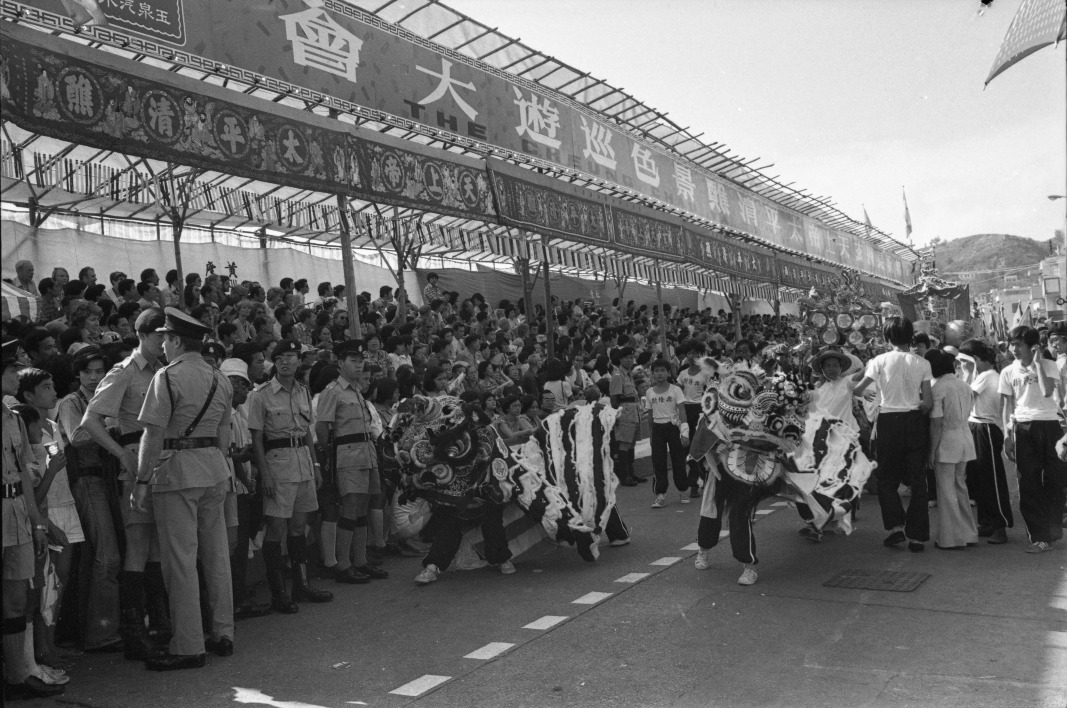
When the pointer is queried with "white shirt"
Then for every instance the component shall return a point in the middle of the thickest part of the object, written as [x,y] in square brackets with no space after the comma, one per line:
[693,385]
[664,406]
[986,387]
[899,376]
[834,399]
[1030,402]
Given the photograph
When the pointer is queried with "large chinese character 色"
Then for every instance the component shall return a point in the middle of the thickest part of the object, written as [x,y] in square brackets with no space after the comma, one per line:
[645,166]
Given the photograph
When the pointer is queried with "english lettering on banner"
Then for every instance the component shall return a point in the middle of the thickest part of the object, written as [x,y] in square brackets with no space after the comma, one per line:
[683,182]
[539,121]
[598,144]
[645,166]
[448,85]
[320,43]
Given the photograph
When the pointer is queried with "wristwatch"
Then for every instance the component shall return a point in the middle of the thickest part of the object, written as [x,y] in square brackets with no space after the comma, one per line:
[41,527]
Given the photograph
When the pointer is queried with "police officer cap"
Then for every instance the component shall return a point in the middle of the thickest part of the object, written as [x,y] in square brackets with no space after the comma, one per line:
[181,324]
[348,348]
[214,349]
[1057,329]
[150,321]
[286,346]
[10,352]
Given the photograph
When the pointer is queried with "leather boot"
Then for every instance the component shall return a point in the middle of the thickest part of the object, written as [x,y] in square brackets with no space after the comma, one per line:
[302,589]
[157,603]
[136,644]
[279,599]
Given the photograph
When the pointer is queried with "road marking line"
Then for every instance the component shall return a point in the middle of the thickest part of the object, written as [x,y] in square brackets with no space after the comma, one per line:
[420,685]
[489,650]
[591,598]
[764,512]
[780,503]
[632,577]
[690,547]
[668,560]
[545,622]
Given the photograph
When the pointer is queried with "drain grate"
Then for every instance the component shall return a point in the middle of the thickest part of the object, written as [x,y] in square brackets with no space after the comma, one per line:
[887,580]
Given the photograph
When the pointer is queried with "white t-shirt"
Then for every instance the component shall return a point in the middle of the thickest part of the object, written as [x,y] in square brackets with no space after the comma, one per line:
[986,387]
[664,406]
[1030,402]
[899,376]
[693,385]
[834,399]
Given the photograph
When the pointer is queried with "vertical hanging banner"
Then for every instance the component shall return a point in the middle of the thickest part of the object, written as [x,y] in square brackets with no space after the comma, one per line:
[332,52]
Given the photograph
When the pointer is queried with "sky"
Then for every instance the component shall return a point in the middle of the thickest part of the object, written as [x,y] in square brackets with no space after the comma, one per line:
[850,99]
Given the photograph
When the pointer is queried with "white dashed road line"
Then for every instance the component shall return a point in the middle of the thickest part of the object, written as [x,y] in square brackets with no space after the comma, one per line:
[591,598]
[667,560]
[764,512]
[690,547]
[420,685]
[489,650]
[632,577]
[546,622]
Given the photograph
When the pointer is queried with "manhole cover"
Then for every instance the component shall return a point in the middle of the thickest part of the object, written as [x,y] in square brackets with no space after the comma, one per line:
[888,580]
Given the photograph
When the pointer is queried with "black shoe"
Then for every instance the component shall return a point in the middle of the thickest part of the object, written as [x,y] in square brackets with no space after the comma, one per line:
[985,531]
[223,646]
[351,576]
[998,537]
[32,687]
[112,648]
[284,606]
[373,573]
[894,539]
[640,480]
[250,610]
[142,649]
[916,547]
[939,547]
[628,482]
[694,493]
[175,662]
[303,590]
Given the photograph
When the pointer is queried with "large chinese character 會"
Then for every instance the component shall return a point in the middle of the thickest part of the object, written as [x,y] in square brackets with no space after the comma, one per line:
[598,144]
[447,85]
[320,43]
[646,167]
[161,116]
[79,94]
[539,121]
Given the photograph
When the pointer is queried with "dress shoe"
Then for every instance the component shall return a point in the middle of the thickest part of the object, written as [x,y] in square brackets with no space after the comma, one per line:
[894,539]
[372,572]
[985,531]
[916,547]
[351,576]
[32,687]
[112,648]
[628,482]
[640,479]
[223,646]
[174,662]
[939,547]
[284,606]
[998,537]
[249,610]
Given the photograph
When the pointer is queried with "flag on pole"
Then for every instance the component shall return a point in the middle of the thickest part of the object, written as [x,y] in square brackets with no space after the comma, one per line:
[1037,24]
[907,216]
[867,220]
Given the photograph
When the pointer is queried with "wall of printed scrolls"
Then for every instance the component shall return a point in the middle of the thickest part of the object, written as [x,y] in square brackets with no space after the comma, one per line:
[88,97]
[337,54]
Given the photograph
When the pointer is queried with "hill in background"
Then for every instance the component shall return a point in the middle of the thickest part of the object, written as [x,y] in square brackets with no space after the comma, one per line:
[989,252]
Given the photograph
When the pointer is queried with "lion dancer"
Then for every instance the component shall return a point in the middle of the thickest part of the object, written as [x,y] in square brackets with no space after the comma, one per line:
[725,495]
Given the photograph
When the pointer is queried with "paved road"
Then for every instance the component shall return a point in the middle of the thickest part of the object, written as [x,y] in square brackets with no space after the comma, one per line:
[988,628]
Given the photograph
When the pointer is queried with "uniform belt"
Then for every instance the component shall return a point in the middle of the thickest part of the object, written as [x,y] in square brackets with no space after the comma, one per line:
[352,438]
[627,399]
[13,491]
[94,471]
[275,443]
[187,443]
[125,439]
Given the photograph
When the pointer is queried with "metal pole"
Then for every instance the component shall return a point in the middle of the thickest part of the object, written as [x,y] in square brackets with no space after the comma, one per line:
[349,270]
[549,322]
[662,314]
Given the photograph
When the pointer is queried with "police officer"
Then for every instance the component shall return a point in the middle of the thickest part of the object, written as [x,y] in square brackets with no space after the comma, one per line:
[280,420]
[624,397]
[348,426]
[24,536]
[213,354]
[186,414]
[120,396]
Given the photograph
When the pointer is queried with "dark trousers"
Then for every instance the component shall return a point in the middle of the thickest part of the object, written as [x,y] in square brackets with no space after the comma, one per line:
[246,509]
[1041,479]
[903,445]
[739,501]
[987,482]
[448,533]
[692,416]
[616,529]
[667,443]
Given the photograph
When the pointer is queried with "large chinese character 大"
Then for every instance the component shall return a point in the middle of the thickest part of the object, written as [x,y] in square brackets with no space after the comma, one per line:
[448,85]
[598,144]
[645,166]
[320,43]
[539,121]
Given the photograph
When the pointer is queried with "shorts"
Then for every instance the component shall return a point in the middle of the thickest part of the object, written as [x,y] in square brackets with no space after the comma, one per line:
[358,480]
[19,562]
[291,498]
[229,509]
[626,432]
[132,517]
[67,520]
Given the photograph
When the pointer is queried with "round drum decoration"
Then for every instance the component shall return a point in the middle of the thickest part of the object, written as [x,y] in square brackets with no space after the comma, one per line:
[829,336]
[819,319]
[843,320]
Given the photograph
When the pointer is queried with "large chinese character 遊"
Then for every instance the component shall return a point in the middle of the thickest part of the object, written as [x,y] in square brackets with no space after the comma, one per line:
[539,121]
[320,43]
[646,168]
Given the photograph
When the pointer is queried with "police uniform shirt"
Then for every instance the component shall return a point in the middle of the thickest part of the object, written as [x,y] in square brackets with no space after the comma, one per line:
[17,454]
[622,384]
[176,395]
[280,414]
[342,404]
[239,438]
[121,393]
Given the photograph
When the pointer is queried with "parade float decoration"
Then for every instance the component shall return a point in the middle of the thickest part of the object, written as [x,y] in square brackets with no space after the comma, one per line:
[756,428]
[938,307]
[844,315]
[448,453]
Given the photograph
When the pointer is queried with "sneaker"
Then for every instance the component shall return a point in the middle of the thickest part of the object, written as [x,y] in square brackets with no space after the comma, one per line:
[620,542]
[998,537]
[428,575]
[683,497]
[661,501]
[507,568]
[1039,547]
[701,562]
[749,576]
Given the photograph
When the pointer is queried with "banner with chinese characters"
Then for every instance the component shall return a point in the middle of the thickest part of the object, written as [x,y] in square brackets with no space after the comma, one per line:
[332,52]
[89,97]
